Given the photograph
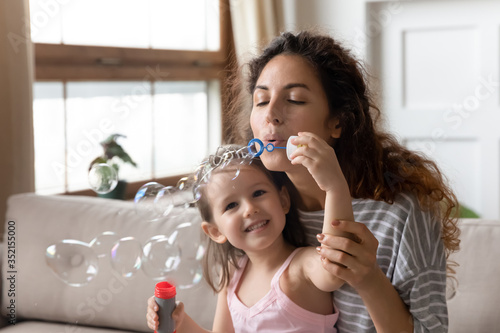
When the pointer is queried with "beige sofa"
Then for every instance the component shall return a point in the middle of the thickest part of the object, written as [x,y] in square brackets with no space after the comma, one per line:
[116,297]
[114,301]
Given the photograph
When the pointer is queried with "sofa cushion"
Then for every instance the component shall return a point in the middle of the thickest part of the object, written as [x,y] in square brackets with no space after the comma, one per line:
[473,301]
[113,298]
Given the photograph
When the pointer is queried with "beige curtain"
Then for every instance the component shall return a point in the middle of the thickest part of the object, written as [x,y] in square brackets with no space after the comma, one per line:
[16,102]
[255,23]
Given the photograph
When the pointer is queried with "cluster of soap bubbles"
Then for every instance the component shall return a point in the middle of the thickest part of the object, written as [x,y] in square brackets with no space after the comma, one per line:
[103,178]
[77,263]
[223,157]
[175,256]
[153,201]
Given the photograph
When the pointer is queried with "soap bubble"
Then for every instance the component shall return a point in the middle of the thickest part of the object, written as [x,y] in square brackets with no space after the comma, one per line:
[145,200]
[164,201]
[103,178]
[188,193]
[126,256]
[188,274]
[178,197]
[160,257]
[72,261]
[103,243]
[186,236]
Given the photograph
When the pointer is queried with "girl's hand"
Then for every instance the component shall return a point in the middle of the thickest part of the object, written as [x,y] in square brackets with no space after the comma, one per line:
[151,314]
[352,260]
[319,158]
[178,315]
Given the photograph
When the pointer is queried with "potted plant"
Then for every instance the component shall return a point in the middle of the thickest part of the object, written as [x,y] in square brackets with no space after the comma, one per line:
[114,155]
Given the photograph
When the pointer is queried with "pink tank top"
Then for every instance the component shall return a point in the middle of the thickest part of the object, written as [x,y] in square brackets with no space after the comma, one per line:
[275,312]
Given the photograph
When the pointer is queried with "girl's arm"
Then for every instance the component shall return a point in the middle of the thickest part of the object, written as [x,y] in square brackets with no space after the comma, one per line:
[222,319]
[320,160]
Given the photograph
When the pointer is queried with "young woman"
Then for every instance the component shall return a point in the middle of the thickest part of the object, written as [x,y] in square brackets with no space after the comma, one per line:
[396,271]
[270,284]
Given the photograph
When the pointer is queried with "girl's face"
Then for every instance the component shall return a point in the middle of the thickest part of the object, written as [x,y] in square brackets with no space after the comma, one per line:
[288,99]
[248,210]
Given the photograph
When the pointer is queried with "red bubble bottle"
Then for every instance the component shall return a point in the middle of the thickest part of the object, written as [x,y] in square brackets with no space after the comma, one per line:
[165,298]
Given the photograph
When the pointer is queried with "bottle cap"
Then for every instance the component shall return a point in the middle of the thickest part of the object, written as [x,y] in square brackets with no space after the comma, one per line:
[164,290]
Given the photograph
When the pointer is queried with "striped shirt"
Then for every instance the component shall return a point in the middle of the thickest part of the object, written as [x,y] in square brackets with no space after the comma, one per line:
[410,253]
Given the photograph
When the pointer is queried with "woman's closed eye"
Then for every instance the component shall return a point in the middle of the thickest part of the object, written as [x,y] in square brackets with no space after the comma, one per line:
[293,101]
[264,103]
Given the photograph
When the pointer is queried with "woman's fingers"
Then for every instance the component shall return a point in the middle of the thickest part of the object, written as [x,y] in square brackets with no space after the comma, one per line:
[360,232]
[352,258]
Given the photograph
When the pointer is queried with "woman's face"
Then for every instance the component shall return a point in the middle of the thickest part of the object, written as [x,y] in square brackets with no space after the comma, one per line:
[289,98]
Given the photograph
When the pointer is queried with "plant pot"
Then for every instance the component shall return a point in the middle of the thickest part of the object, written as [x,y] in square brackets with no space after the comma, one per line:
[118,193]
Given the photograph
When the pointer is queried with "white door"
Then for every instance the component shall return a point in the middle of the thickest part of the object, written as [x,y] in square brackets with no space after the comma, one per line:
[438,66]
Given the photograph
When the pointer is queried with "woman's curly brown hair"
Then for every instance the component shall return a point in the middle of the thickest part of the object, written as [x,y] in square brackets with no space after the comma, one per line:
[374,164]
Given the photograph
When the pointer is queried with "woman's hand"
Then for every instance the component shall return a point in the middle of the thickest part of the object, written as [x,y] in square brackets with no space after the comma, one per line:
[151,314]
[355,262]
[352,259]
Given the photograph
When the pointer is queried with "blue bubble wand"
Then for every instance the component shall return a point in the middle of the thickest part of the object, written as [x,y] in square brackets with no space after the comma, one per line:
[256,147]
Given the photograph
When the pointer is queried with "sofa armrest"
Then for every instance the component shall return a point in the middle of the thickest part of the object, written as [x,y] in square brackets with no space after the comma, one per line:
[474,295]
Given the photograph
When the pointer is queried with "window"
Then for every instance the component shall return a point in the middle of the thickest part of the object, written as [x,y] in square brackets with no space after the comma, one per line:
[150,70]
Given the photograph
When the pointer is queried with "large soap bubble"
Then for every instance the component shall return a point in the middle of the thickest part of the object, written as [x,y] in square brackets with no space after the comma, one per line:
[145,201]
[164,201]
[160,257]
[72,261]
[188,274]
[186,235]
[126,256]
[103,178]
[103,243]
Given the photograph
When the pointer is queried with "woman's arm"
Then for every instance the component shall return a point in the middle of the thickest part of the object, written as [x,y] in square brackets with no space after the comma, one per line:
[357,265]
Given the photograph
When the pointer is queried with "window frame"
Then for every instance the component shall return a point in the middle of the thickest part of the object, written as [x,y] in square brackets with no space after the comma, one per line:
[64,62]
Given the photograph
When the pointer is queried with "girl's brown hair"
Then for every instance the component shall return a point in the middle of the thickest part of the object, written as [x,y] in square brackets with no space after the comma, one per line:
[219,258]
[374,164]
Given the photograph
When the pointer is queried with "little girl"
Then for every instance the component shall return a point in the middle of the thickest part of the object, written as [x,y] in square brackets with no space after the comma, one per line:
[271,283]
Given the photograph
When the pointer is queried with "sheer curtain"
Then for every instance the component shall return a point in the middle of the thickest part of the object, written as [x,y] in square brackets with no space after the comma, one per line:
[16,102]
[255,23]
